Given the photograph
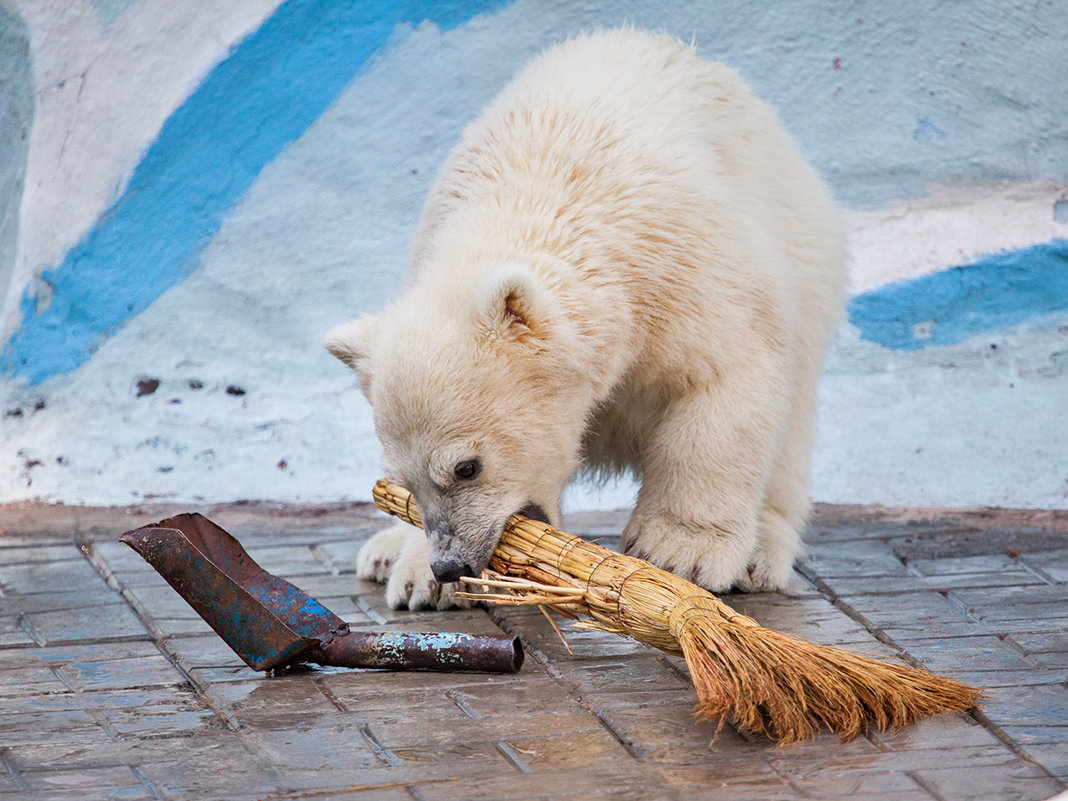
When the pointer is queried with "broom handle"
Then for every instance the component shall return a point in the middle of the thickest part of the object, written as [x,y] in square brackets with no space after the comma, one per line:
[520,532]
[540,546]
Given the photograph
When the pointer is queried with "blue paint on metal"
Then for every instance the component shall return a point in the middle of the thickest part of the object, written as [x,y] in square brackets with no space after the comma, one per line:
[294,607]
[994,294]
[275,84]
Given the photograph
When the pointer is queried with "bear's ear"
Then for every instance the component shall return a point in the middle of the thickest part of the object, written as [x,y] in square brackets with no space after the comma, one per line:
[513,304]
[352,342]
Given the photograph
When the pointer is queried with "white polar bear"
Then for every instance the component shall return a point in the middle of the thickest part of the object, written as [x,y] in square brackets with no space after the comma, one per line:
[625,264]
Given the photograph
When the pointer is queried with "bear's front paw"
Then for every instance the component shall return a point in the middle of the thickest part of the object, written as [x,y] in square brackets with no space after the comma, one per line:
[376,558]
[412,584]
[768,571]
[709,557]
[399,557]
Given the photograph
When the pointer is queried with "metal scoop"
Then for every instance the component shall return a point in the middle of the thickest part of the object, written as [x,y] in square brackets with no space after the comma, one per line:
[272,624]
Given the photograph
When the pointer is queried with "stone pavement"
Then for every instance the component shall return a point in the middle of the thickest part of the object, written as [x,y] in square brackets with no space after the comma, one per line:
[112,688]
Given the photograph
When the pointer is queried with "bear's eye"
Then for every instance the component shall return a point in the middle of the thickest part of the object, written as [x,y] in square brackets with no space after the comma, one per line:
[467,469]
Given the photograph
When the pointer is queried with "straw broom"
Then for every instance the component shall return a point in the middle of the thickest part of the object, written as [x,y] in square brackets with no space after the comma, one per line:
[767,682]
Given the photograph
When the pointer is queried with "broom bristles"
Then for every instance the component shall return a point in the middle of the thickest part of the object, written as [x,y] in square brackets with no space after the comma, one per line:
[767,682]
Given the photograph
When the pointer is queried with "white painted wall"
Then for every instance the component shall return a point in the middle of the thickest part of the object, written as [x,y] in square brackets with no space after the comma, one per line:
[106,78]
[940,128]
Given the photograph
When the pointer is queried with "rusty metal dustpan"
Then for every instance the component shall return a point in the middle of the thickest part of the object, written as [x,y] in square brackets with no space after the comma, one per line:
[272,624]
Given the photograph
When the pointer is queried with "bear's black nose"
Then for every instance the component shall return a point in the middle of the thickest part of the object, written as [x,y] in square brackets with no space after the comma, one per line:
[450,570]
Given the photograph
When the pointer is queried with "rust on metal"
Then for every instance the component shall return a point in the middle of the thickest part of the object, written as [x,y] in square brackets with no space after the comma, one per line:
[272,624]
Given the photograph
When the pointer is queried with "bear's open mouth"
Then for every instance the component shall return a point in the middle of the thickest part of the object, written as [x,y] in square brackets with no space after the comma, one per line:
[534,512]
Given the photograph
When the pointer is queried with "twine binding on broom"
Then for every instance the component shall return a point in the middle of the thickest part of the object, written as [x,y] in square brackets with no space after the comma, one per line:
[767,682]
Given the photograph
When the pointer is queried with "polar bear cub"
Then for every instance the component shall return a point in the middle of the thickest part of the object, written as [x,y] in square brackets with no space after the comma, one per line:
[624,265]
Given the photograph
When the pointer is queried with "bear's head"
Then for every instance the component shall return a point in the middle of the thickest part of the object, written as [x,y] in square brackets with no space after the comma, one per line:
[480,400]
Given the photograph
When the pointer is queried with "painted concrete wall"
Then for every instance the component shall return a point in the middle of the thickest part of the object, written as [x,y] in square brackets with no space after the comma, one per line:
[209,187]
[16,117]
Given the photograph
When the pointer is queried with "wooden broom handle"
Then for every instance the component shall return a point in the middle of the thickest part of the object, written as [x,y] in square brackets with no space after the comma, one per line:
[692,600]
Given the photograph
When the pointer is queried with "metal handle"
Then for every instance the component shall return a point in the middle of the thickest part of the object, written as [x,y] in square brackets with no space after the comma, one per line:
[406,650]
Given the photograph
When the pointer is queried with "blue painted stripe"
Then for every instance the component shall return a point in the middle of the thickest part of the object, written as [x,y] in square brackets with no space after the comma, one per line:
[274,84]
[994,294]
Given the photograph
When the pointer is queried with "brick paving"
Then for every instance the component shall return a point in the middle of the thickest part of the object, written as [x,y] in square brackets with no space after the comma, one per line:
[112,688]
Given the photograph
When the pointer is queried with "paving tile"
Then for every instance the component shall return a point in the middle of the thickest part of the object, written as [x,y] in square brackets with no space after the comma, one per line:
[1028,706]
[956,565]
[204,676]
[203,651]
[314,747]
[555,751]
[699,782]
[111,621]
[123,567]
[103,701]
[30,681]
[152,670]
[1039,734]
[402,729]
[1016,783]
[860,784]
[816,619]
[1055,642]
[829,525]
[915,616]
[327,586]
[339,557]
[898,761]
[217,771]
[63,653]
[1053,663]
[295,785]
[608,779]
[999,679]
[118,780]
[13,631]
[287,560]
[491,757]
[162,720]
[958,542]
[861,558]
[890,585]
[1052,756]
[13,555]
[162,602]
[645,671]
[966,654]
[577,643]
[949,730]
[36,728]
[531,695]
[659,718]
[1053,564]
[268,703]
[59,600]
[48,576]
[9,785]
[1010,604]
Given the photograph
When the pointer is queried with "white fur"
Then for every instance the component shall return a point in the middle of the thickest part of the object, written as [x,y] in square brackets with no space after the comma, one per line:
[625,264]
[398,557]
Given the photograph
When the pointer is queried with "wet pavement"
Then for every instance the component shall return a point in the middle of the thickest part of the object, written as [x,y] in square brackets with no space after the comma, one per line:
[112,688]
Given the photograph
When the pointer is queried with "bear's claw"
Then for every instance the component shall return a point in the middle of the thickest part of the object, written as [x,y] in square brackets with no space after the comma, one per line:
[398,557]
